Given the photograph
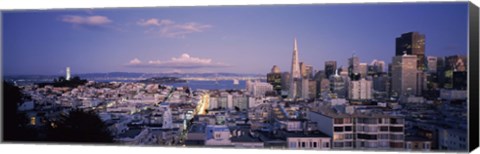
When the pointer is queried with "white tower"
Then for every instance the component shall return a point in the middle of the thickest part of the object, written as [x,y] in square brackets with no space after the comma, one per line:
[67,77]
[295,72]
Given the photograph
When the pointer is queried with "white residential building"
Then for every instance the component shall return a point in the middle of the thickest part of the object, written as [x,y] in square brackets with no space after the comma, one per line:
[301,140]
[258,89]
[371,131]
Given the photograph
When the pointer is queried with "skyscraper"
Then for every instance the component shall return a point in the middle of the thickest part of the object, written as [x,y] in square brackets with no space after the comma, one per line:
[306,70]
[330,67]
[360,90]
[363,69]
[339,85]
[456,63]
[404,75]
[353,65]
[275,79]
[412,43]
[378,66]
[432,64]
[295,76]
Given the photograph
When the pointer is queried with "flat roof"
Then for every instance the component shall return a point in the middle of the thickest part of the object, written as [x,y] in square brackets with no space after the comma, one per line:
[305,134]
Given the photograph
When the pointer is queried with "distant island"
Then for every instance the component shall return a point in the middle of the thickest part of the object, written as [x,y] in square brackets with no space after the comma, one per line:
[163,80]
[62,82]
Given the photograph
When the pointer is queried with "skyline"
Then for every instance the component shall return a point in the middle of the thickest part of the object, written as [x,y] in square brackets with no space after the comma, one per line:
[221,39]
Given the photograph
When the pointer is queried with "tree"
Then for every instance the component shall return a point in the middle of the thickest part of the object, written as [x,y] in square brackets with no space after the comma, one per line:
[80,126]
[15,124]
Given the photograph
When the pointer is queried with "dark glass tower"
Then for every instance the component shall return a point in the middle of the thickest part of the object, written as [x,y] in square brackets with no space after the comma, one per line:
[330,67]
[412,43]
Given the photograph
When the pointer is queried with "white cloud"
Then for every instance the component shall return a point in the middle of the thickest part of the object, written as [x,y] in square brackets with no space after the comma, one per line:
[155,22]
[135,61]
[185,61]
[168,28]
[94,20]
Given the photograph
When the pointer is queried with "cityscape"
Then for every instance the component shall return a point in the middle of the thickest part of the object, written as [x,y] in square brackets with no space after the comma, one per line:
[410,95]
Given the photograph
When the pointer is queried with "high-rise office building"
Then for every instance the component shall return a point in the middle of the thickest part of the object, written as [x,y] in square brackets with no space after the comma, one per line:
[339,85]
[275,79]
[295,77]
[285,82]
[404,75]
[432,64]
[363,69]
[306,70]
[360,90]
[330,67]
[312,88]
[412,43]
[459,81]
[305,88]
[380,82]
[378,66]
[343,71]
[353,65]
[318,77]
[421,82]
[456,63]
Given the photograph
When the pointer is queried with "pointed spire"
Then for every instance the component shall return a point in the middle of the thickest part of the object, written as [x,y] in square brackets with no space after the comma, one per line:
[295,44]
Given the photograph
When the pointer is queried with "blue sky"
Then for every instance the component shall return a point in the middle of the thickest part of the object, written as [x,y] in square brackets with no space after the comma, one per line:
[241,39]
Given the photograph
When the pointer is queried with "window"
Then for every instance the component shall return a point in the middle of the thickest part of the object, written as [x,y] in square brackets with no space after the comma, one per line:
[348,128]
[338,121]
[396,136]
[217,136]
[338,137]
[427,146]
[33,121]
[348,144]
[347,120]
[315,144]
[384,128]
[327,144]
[396,129]
[383,136]
[393,121]
[379,120]
[338,129]
[338,144]
[348,136]
[396,145]
[303,144]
